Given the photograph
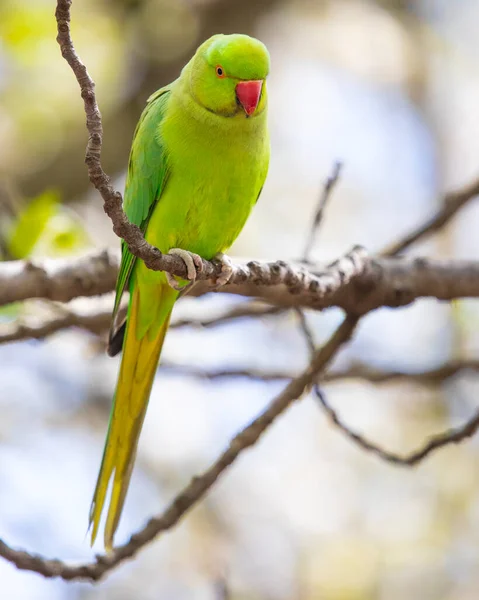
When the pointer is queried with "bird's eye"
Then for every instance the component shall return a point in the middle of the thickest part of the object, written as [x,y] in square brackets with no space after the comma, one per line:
[219,71]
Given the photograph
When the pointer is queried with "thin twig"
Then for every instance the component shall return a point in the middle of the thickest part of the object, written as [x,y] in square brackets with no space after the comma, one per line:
[226,373]
[324,197]
[451,436]
[451,204]
[305,330]
[99,322]
[244,310]
[23,330]
[356,372]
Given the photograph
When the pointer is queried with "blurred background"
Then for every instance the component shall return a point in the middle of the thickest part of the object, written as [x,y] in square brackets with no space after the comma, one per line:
[390,88]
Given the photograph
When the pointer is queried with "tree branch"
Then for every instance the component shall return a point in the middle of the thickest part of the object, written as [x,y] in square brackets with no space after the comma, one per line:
[63,280]
[98,322]
[324,198]
[452,436]
[451,204]
[306,331]
[193,492]
[355,372]
[58,279]
[355,283]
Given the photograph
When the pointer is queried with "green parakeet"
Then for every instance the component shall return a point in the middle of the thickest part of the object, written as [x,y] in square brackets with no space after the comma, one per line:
[198,162]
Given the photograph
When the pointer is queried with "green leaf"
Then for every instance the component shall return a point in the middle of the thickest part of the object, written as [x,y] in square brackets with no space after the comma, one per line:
[31,223]
[64,235]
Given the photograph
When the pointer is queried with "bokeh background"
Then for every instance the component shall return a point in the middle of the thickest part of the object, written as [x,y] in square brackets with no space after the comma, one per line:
[391,88]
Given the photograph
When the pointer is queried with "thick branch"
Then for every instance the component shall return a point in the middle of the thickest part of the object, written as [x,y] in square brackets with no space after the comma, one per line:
[355,283]
[60,280]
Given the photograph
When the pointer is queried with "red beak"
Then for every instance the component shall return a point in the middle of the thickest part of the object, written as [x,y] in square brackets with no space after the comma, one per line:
[248,94]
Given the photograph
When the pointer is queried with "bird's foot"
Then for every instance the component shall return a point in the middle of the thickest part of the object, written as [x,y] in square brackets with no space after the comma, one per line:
[194,265]
[226,270]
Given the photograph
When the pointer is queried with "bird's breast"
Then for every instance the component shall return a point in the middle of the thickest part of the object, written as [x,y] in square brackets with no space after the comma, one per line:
[215,176]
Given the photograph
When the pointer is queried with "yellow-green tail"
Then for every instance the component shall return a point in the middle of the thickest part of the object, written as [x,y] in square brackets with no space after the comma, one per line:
[137,371]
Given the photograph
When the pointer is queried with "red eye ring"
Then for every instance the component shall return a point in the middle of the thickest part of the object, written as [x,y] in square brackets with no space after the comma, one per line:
[220,72]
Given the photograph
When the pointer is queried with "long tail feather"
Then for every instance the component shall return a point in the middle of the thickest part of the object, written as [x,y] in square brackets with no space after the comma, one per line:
[137,371]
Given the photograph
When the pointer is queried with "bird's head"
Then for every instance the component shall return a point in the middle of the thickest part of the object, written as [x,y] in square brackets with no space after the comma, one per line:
[228,75]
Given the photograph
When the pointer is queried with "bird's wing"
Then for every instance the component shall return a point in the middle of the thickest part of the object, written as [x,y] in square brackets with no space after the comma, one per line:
[147,175]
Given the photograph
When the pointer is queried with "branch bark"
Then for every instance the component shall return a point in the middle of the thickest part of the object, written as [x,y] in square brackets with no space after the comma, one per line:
[59,280]
[355,283]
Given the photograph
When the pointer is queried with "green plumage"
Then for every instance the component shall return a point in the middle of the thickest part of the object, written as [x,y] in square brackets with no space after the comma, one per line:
[146,175]
[197,167]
